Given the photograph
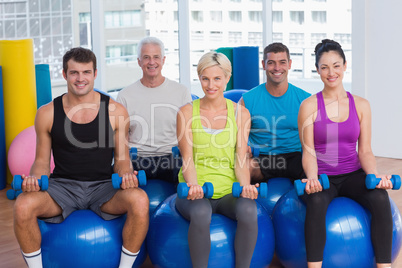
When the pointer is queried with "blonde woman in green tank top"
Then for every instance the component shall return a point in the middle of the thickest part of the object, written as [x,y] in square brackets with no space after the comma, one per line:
[212,133]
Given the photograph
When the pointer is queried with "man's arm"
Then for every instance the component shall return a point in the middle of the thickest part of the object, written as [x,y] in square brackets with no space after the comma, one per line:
[41,164]
[120,123]
[122,163]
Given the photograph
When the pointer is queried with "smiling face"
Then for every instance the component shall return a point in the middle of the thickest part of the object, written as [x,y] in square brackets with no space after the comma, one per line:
[331,68]
[277,66]
[213,81]
[151,60]
[80,77]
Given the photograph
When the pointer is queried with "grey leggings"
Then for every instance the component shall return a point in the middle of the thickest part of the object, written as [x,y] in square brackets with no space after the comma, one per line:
[199,213]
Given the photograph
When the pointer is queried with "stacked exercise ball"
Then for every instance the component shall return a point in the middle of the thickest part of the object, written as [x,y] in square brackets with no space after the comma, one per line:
[84,240]
[21,153]
[348,241]
[168,245]
[276,188]
[158,191]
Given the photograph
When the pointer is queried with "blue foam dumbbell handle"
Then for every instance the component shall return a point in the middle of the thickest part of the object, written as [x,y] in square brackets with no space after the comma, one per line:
[133,153]
[262,190]
[182,190]
[372,181]
[301,186]
[176,152]
[43,182]
[141,176]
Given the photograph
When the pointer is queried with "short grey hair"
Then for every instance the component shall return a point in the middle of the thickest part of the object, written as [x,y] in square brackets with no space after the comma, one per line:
[150,40]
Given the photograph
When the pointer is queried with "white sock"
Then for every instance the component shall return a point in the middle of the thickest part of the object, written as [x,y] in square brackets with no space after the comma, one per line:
[127,258]
[34,259]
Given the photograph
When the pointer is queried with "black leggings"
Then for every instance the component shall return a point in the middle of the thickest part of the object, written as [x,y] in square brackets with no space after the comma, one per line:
[199,213]
[351,185]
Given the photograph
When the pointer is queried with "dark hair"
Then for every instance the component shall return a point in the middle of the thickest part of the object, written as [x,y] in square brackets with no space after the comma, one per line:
[79,54]
[276,48]
[328,45]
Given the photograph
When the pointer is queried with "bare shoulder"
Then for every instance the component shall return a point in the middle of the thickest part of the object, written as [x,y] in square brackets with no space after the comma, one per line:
[45,113]
[359,101]
[116,108]
[310,103]
[186,109]
[44,118]
[241,109]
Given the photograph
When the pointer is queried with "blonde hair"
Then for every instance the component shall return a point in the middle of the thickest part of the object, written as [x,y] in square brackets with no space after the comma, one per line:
[214,59]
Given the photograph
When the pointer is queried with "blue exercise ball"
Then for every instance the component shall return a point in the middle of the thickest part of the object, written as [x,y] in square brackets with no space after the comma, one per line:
[168,245]
[84,240]
[348,242]
[158,191]
[276,188]
[234,94]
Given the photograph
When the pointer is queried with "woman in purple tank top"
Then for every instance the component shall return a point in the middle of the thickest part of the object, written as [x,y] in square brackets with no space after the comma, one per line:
[331,124]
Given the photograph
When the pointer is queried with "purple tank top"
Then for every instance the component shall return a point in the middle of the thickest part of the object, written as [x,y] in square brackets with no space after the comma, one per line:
[335,143]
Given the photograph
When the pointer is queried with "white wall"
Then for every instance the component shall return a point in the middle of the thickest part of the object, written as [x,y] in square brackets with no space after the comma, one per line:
[377,57]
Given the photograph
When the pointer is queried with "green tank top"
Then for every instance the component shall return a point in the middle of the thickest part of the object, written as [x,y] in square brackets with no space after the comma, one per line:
[214,154]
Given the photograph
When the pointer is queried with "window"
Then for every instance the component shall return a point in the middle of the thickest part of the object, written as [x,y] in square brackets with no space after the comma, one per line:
[277,37]
[235,37]
[197,16]
[255,16]
[123,53]
[277,16]
[216,16]
[235,16]
[317,38]
[197,35]
[115,19]
[319,16]
[297,17]
[343,39]
[216,36]
[296,39]
[255,38]
[50,29]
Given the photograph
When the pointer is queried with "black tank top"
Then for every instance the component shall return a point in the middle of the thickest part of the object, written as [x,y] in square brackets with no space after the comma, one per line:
[82,152]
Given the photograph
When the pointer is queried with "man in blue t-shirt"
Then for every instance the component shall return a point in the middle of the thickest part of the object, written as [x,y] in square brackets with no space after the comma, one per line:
[274,107]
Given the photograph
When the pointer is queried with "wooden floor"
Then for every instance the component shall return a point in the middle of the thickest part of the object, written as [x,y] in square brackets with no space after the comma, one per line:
[10,256]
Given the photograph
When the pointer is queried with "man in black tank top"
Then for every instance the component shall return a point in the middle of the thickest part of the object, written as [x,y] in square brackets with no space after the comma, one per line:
[86,131]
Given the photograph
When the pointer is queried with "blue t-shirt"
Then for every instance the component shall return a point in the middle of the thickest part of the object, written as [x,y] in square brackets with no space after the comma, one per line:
[274,119]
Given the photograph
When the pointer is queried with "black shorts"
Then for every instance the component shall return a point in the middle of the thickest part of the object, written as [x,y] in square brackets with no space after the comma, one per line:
[164,168]
[287,165]
[73,195]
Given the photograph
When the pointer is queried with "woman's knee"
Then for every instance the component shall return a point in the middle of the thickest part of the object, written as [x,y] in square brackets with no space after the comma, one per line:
[246,210]
[201,212]
[378,200]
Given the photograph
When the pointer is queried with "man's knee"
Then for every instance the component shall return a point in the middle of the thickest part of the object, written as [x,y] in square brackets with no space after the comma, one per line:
[28,205]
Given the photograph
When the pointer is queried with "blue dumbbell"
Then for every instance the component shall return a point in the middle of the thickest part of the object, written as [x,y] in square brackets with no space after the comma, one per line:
[182,190]
[43,182]
[141,176]
[301,186]
[176,152]
[372,181]
[12,194]
[133,153]
[255,151]
[262,190]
